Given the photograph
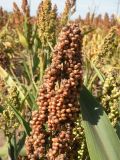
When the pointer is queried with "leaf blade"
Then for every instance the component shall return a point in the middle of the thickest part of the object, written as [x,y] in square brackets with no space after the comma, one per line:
[22,121]
[102,141]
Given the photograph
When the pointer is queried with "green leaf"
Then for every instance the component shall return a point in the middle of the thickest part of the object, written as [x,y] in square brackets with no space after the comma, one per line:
[117,127]
[1,109]
[27,71]
[87,32]
[23,152]
[33,101]
[36,44]
[50,45]
[12,148]
[102,141]
[36,62]
[22,120]
[21,143]
[100,75]
[25,27]
[4,150]
[10,82]
[3,31]
[22,39]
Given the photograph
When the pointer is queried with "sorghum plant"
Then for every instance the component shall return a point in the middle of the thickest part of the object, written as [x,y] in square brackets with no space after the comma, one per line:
[8,120]
[80,151]
[53,123]
[108,50]
[110,97]
[46,22]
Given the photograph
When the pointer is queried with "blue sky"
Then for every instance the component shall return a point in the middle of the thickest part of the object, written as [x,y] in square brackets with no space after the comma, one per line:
[83,6]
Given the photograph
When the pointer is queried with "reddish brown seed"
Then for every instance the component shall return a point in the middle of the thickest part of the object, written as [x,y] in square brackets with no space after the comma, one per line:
[68,110]
[57,98]
[55,139]
[56,120]
[42,141]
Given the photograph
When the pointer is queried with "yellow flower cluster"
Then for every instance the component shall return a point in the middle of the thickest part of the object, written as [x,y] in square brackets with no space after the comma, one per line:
[46,22]
[81,150]
[8,120]
[110,98]
[91,43]
[108,51]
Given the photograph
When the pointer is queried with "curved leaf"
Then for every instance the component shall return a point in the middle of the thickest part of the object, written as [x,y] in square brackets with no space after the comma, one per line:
[22,121]
[102,140]
[22,39]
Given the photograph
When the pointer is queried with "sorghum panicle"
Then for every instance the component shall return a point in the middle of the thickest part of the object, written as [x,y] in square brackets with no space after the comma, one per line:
[53,123]
[80,151]
[8,120]
[108,51]
[47,22]
[110,98]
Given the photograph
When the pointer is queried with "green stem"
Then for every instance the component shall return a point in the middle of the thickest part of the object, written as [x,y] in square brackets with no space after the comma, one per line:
[42,65]
[11,150]
[4,151]
[92,80]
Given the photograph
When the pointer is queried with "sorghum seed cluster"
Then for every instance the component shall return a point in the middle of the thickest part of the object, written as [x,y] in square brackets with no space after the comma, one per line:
[58,103]
[110,98]
[109,51]
[80,151]
[8,121]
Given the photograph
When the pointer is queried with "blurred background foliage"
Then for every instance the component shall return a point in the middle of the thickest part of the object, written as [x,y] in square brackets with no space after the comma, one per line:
[26,45]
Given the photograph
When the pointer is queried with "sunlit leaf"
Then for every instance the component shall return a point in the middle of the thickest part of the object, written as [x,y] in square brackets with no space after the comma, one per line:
[22,39]
[22,121]
[102,140]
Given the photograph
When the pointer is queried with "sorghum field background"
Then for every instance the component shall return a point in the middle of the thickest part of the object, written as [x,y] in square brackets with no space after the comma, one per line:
[59,84]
